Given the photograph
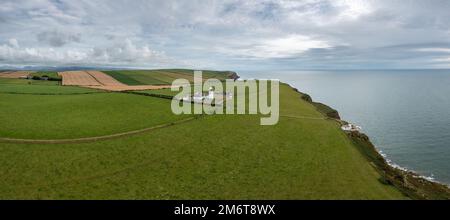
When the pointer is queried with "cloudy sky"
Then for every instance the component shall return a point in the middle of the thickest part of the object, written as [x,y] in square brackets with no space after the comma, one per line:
[226,34]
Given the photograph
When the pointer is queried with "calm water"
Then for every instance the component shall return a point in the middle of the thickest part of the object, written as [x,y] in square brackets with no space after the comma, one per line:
[406,113]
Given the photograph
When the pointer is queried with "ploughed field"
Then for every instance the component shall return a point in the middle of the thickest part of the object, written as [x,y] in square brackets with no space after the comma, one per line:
[14,74]
[304,156]
[100,80]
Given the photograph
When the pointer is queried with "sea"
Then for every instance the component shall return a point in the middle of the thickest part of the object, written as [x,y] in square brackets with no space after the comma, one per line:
[406,113]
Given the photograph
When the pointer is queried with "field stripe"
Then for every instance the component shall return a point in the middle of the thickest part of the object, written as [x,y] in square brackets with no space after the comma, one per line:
[93,139]
[104,78]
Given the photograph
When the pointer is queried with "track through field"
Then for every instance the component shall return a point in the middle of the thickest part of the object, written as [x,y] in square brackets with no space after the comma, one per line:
[93,139]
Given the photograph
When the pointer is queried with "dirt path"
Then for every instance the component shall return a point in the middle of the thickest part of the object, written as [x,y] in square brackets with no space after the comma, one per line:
[93,139]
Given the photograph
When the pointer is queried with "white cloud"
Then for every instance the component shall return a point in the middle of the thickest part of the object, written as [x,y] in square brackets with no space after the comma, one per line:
[288,46]
[281,47]
[13,43]
[57,38]
[434,49]
[354,8]
[123,53]
[223,34]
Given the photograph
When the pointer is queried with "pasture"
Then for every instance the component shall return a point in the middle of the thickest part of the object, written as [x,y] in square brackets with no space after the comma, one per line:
[304,156]
[76,116]
[39,87]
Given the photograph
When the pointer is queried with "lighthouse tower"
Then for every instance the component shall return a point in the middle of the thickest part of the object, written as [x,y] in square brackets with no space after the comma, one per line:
[211,93]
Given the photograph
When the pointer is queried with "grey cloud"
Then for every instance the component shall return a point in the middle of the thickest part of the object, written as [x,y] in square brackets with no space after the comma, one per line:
[123,53]
[58,38]
[228,34]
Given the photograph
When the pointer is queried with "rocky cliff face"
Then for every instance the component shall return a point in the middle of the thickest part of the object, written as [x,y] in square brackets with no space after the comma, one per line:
[324,109]
[410,183]
[233,75]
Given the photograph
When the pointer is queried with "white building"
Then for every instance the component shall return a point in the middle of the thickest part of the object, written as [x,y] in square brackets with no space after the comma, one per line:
[350,127]
[210,93]
[198,97]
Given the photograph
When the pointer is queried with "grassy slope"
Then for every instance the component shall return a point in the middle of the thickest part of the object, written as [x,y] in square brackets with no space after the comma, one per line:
[206,73]
[123,77]
[215,157]
[167,92]
[74,116]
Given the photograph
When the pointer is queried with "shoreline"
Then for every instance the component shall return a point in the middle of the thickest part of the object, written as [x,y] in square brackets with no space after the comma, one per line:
[396,166]
[409,182]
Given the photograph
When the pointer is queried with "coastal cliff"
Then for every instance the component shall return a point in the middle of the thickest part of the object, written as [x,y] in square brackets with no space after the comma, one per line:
[409,183]
[324,109]
[232,75]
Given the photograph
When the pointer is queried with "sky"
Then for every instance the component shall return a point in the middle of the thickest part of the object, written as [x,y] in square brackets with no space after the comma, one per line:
[226,34]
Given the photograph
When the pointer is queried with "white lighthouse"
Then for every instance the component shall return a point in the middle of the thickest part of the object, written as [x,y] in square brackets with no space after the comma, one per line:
[211,93]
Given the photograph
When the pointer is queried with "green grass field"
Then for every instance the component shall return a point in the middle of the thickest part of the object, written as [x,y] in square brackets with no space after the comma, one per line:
[24,86]
[211,157]
[167,92]
[160,77]
[75,116]
[4,81]
[51,74]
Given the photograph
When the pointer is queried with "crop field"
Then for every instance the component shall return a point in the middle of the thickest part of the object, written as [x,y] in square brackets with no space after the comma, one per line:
[14,74]
[304,156]
[102,81]
[78,78]
[160,77]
